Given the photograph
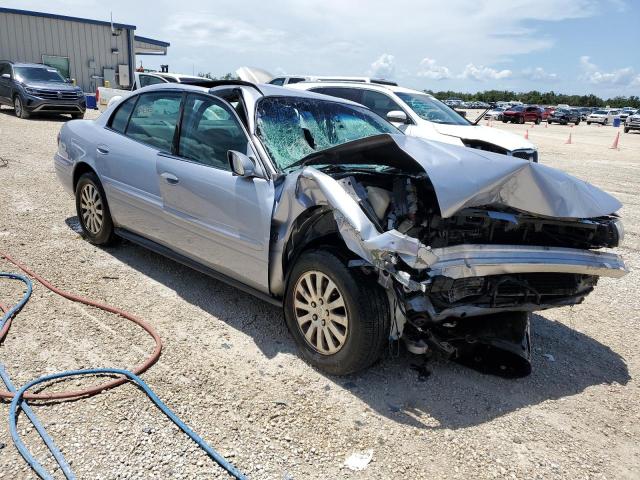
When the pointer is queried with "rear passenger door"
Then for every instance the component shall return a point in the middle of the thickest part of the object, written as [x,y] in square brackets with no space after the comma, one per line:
[218,219]
[140,128]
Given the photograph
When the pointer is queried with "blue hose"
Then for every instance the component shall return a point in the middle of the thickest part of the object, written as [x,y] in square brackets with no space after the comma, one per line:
[13,410]
[25,298]
[55,451]
[17,403]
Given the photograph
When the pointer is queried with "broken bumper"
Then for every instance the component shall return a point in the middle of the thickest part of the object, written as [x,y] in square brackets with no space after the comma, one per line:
[463,261]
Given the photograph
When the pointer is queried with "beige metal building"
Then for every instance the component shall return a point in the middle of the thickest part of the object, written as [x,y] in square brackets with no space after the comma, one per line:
[88,51]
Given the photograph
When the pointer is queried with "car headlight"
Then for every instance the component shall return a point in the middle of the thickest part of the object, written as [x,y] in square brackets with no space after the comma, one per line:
[619,226]
[29,90]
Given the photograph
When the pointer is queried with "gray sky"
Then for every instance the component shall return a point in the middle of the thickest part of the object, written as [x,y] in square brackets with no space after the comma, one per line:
[572,46]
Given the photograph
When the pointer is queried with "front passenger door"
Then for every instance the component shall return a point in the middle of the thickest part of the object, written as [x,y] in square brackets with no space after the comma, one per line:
[218,219]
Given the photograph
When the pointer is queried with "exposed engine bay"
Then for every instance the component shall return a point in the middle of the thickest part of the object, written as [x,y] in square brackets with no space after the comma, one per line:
[407,204]
[466,246]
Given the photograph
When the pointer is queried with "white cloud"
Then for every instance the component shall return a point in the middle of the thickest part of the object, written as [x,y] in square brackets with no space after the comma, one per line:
[620,77]
[209,30]
[430,69]
[482,73]
[539,74]
[383,67]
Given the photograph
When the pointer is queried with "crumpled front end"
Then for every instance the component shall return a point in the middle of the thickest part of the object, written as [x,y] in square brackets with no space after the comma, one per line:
[454,241]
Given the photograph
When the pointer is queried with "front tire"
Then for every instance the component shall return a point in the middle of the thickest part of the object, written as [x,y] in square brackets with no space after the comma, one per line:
[626,130]
[338,316]
[538,121]
[588,123]
[19,108]
[93,211]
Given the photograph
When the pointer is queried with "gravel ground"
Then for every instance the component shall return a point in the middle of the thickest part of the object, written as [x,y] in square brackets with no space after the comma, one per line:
[230,369]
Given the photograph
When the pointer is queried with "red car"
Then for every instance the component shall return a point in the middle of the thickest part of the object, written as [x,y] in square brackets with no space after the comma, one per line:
[522,114]
[546,112]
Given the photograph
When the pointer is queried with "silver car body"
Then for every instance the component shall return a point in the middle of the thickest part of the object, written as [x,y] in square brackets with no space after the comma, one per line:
[242,228]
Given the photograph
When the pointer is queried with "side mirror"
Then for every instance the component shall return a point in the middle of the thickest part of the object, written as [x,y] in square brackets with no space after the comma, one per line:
[6,75]
[397,116]
[241,165]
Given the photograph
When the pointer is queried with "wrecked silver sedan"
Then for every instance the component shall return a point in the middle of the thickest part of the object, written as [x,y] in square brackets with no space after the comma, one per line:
[362,234]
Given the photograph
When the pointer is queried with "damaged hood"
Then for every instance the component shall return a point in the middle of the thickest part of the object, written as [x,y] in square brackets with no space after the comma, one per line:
[464,177]
[485,134]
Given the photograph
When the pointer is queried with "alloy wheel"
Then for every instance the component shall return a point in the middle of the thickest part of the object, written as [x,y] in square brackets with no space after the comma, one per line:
[91,208]
[17,105]
[321,312]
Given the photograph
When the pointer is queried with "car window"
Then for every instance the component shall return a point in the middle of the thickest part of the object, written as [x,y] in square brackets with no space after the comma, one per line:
[277,81]
[4,68]
[295,80]
[146,80]
[120,118]
[154,119]
[352,94]
[208,131]
[379,102]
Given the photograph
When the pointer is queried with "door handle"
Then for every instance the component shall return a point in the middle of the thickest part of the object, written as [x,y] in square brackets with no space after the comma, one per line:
[169,178]
[102,150]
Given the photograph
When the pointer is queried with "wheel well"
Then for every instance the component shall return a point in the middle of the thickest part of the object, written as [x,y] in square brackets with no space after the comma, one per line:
[80,170]
[313,228]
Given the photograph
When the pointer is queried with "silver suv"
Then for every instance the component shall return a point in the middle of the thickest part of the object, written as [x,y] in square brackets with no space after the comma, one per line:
[362,234]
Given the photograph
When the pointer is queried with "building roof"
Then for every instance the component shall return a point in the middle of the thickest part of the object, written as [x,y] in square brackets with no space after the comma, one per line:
[64,17]
[152,41]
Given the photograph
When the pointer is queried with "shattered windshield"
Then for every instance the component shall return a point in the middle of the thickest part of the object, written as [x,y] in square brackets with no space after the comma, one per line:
[293,127]
[432,110]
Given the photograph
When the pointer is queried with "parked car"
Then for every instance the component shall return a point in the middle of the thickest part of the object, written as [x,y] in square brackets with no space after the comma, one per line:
[257,75]
[362,234]
[564,116]
[602,116]
[632,122]
[495,114]
[32,88]
[106,95]
[625,112]
[584,112]
[419,114]
[522,114]
[545,112]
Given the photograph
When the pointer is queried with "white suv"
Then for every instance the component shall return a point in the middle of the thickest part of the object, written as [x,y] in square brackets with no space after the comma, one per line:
[421,115]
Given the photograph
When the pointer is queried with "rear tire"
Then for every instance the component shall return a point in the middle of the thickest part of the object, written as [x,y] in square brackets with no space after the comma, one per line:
[626,130]
[362,307]
[588,123]
[19,108]
[577,122]
[606,121]
[93,211]
[521,120]
[538,121]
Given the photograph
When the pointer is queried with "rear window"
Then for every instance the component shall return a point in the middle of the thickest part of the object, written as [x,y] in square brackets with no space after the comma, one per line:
[120,118]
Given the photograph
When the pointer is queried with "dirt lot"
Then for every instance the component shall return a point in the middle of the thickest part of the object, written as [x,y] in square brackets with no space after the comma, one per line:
[230,369]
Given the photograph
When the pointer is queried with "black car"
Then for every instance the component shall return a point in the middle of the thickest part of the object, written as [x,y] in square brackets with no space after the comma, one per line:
[564,116]
[35,88]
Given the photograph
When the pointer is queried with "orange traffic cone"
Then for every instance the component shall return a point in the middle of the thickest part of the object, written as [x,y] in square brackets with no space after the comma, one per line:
[568,142]
[526,135]
[615,142]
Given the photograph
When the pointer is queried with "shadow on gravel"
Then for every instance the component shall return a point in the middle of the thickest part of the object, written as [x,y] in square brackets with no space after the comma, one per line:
[433,395]
[50,117]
